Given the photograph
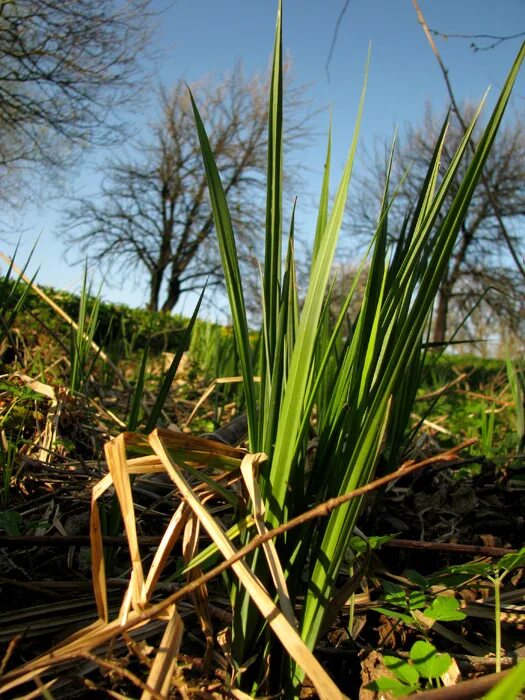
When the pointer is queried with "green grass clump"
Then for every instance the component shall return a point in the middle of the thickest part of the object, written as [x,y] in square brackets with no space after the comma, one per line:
[356,390]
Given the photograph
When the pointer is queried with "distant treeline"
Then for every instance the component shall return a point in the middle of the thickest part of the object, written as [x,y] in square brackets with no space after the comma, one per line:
[117,324]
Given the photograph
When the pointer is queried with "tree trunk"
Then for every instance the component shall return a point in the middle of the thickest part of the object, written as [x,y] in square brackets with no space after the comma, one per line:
[440,319]
[173,295]
[154,290]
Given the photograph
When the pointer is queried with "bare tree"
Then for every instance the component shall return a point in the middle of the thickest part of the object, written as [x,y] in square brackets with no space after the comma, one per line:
[65,66]
[154,214]
[481,266]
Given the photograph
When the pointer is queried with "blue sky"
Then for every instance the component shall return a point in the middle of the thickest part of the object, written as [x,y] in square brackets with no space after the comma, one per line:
[198,37]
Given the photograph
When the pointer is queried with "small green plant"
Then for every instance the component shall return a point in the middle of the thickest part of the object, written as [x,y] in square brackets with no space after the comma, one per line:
[13,294]
[516,379]
[488,415]
[135,411]
[15,421]
[400,603]
[82,358]
[422,670]
[213,356]
[495,573]
[7,458]
[10,522]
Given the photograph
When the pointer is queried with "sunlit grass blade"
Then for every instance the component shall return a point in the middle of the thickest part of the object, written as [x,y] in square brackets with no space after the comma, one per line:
[273,241]
[82,338]
[286,330]
[13,295]
[324,322]
[322,214]
[228,250]
[510,686]
[293,402]
[403,333]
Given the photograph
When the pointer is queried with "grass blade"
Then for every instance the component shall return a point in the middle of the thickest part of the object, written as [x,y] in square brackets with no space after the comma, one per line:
[172,370]
[228,251]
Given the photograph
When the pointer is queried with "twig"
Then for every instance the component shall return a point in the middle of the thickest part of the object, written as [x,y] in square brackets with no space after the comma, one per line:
[454,104]
[496,40]
[334,38]
[452,547]
[437,393]
[18,541]
[116,668]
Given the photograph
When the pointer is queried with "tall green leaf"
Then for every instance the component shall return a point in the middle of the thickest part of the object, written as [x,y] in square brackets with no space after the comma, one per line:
[230,264]
[402,334]
[281,474]
[168,378]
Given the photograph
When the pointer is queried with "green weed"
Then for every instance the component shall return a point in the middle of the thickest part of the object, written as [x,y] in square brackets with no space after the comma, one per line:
[422,670]
[368,379]
[82,358]
[495,573]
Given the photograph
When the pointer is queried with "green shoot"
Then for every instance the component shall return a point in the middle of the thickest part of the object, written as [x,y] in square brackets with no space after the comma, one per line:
[422,670]
[81,359]
[496,573]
